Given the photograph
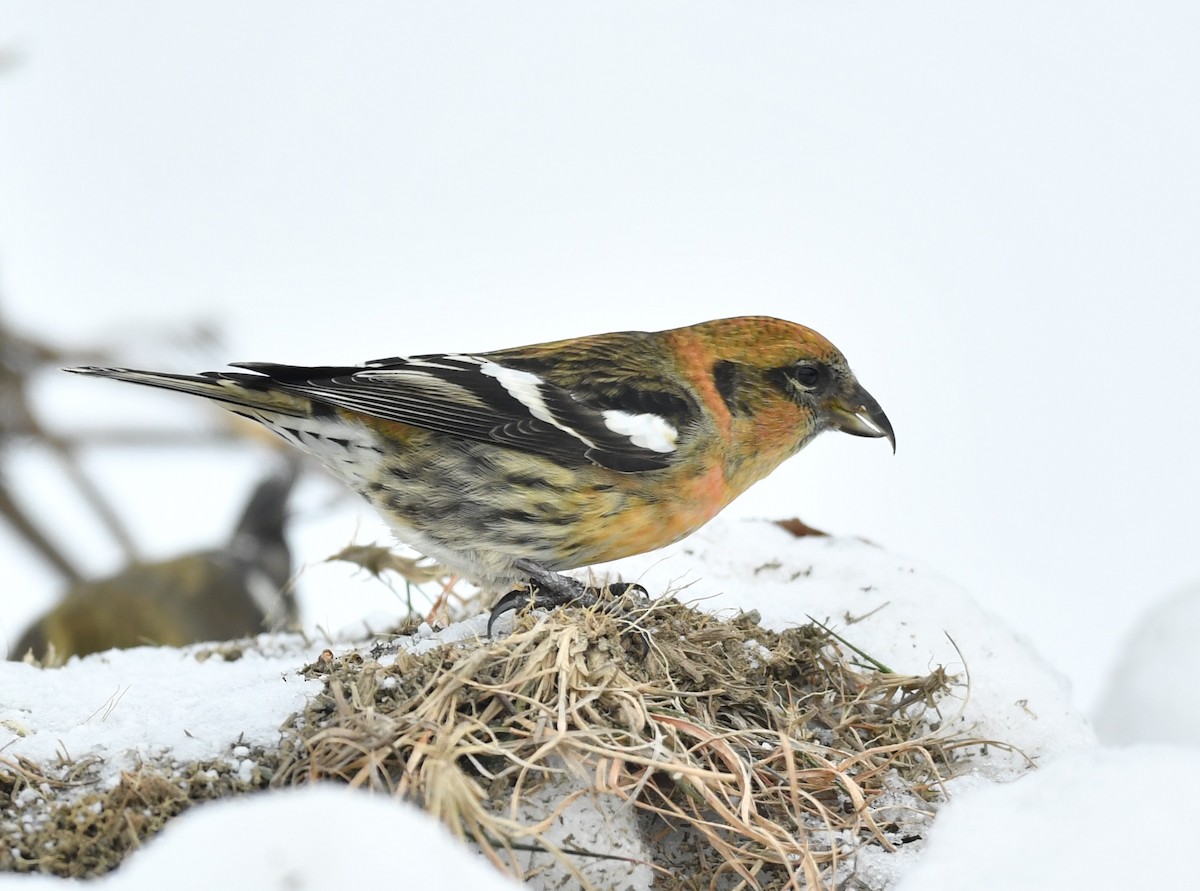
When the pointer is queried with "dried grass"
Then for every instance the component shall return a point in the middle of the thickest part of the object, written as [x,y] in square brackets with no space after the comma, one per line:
[756,759]
[56,821]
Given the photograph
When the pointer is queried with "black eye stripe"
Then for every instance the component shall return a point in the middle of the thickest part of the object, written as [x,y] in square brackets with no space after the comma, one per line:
[730,379]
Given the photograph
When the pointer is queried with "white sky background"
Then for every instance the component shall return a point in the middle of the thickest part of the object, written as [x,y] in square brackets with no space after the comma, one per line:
[992,208]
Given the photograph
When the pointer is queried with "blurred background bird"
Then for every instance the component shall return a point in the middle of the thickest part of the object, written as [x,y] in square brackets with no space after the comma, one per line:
[232,591]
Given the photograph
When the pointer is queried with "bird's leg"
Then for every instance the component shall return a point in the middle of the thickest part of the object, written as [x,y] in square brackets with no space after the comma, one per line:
[546,589]
[549,590]
[553,589]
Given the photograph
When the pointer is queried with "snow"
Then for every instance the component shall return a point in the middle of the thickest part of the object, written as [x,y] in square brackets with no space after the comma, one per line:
[1101,819]
[1151,693]
[1008,824]
[149,704]
[590,823]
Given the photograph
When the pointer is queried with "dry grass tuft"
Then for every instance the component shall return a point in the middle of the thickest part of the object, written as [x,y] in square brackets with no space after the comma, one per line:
[755,759]
[51,825]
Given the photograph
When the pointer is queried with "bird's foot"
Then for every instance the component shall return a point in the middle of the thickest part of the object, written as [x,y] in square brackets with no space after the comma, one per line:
[550,590]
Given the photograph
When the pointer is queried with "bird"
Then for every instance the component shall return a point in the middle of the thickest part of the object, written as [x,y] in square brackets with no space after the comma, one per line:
[511,466]
[229,592]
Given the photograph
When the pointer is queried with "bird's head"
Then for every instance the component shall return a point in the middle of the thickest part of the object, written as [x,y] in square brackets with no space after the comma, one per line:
[770,368]
[821,381]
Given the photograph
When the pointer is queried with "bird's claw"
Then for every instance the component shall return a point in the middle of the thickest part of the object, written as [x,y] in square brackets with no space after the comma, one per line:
[549,590]
[513,600]
[538,596]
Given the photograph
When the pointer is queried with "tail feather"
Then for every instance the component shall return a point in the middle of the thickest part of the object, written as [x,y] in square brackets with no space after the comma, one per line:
[236,389]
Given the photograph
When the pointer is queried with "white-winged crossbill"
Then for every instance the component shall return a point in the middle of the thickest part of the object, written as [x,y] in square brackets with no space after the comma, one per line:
[557,455]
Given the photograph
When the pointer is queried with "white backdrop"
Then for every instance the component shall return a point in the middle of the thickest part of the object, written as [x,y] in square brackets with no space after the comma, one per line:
[992,208]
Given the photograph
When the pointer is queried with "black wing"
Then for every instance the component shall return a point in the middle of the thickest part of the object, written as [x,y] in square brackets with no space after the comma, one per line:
[480,399]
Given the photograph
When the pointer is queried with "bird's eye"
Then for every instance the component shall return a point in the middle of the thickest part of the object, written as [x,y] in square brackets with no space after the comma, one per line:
[807,376]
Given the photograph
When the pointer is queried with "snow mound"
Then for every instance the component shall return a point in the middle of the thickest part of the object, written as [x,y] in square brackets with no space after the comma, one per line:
[894,608]
[164,706]
[152,704]
[1055,828]
[1151,694]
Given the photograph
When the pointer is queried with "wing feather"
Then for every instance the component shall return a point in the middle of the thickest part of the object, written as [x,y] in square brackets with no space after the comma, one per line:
[471,397]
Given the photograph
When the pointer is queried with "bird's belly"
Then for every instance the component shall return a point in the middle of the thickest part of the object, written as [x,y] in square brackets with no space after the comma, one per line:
[648,517]
[477,507]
